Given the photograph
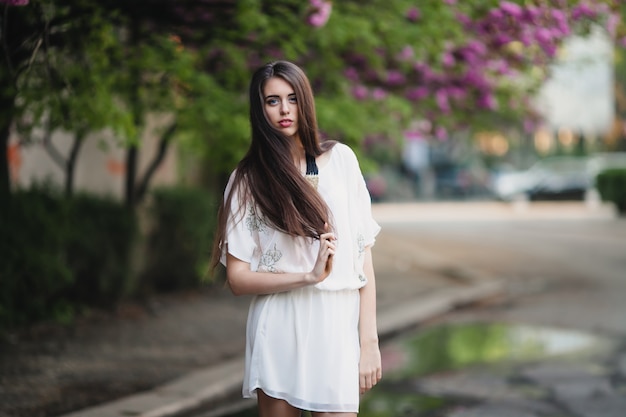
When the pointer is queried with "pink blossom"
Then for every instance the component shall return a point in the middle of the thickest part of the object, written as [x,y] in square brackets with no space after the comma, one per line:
[413,14]
[581,11]
[413,135]
[529,126]
[463,19]
[502,39]
[418,93]
[477,47]
[457,93]
[511,9]
[379,94]
[424,70]
[543,35]
[441,133]
[487,101]
[442,100]
[475,79]
[611,24]
[351,73]
[496,14]
[531,13]
[14,2]
[360,92]
[395,77]
[447,59]
[406,53]
[525,38]
[450,2]
[321,13]
[424,125]
[500,66]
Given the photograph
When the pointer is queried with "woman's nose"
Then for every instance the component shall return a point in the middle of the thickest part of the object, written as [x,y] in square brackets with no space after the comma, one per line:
[284,107]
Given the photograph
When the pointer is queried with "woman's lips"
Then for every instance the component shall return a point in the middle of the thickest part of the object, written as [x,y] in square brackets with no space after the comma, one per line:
[285,123]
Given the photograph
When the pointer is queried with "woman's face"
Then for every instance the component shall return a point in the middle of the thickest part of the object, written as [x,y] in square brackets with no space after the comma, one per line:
[281,106]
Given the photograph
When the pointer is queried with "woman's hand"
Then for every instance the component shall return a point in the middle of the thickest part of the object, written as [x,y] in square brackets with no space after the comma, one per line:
[324,262]
[370,368]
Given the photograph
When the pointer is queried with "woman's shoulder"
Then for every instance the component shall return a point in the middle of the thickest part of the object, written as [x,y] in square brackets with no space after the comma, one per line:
[344,151]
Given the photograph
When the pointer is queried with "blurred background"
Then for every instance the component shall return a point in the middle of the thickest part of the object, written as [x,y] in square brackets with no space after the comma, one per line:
[120,122]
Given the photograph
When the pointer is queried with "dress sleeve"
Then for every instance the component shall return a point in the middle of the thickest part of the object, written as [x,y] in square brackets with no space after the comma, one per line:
[368,227]
[242,227]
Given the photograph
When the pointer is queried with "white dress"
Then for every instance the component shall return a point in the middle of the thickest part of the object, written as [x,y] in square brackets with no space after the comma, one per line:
[303,345]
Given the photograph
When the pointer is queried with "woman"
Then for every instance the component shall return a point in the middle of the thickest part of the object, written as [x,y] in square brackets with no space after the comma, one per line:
[296,231]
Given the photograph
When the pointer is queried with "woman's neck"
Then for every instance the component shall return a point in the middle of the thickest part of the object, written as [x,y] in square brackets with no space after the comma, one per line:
[298,153]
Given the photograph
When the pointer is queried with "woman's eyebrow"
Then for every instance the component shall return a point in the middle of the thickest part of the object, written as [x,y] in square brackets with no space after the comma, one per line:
[277,96]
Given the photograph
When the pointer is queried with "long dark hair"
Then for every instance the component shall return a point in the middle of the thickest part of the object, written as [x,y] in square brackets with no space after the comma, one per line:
[267,174]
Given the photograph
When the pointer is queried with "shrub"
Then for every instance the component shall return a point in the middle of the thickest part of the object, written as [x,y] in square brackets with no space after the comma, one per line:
[33,273]
[99,248]
[611,185]
[60,255]
[179,241]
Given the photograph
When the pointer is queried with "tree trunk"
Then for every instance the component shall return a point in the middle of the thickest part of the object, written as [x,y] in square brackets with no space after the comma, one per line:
[5,176]
[132,152]
[7,105]
[131,172]
[156,162]
[71,162]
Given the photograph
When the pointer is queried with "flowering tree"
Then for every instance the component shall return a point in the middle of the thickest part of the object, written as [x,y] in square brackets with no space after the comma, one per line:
[380,68]
[459,62]
[85,66]
[376,65]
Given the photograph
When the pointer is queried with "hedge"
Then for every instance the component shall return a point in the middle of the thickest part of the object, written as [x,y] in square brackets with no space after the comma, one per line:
[60,255]
[611,185]
[179,240]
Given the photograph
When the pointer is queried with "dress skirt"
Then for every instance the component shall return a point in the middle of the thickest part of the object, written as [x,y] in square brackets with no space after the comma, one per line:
[303,347]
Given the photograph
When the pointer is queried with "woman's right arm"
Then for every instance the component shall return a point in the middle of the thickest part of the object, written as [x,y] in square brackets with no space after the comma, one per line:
[244,281]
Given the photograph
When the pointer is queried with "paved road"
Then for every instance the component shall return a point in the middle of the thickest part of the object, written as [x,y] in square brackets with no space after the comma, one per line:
[563,270]
[575,268]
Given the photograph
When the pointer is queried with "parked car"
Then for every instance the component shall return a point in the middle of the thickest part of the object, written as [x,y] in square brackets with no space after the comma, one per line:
[508,183]
[605,160]
[560,177]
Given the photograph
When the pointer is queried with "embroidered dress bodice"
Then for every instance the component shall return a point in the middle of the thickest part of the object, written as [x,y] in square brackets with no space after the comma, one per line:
[341,185]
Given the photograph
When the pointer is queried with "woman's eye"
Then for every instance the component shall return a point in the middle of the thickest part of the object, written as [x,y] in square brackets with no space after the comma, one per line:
[293,99]
[272,101]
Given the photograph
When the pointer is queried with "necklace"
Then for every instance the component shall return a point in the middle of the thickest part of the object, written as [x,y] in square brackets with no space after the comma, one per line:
[312,173]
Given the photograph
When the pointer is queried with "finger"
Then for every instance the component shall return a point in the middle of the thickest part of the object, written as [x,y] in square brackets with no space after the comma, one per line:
[329,264]
[327,236]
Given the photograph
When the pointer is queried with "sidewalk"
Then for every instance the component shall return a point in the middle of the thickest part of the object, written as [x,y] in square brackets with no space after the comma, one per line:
[413,285]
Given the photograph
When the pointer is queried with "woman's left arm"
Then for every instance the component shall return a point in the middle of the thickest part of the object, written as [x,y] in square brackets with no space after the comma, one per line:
[370,368]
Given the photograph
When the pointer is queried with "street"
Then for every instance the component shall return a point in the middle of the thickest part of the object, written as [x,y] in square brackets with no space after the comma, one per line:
[571,273]
[565,279]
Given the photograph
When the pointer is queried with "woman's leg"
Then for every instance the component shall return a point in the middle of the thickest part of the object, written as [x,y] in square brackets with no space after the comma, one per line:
[333,414]
[273,407]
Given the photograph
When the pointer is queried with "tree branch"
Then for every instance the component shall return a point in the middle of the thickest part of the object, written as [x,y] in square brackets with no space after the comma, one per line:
[54,153]
[156,161]
[71,161]
[5,45]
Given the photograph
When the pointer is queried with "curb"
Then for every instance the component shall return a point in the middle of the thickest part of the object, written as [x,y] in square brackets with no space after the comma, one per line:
[196,391]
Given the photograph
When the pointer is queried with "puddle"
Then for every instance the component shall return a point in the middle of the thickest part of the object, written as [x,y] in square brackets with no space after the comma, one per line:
[409,359]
